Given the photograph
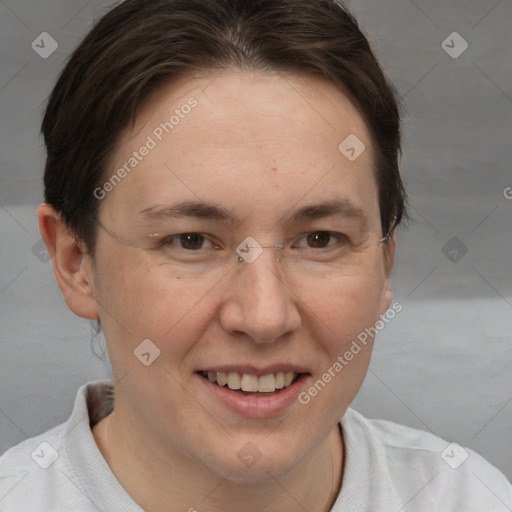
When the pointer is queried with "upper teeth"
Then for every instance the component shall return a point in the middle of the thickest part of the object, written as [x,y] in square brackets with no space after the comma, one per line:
[247,382]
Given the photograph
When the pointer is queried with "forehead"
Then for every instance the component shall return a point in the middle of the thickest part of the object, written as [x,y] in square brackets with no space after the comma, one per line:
[255,143]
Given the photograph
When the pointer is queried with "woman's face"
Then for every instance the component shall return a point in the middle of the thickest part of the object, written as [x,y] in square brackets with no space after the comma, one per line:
[241,155]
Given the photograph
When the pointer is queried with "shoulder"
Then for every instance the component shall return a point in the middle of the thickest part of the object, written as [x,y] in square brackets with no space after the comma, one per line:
[39,474]
[414,467]
[29,471]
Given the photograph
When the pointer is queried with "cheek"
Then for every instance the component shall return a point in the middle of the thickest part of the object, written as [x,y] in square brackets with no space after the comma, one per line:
[139,300]
[343,323]
[346,306]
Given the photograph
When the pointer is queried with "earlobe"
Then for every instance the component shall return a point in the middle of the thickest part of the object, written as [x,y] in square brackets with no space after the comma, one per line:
[386,298]
[71,266]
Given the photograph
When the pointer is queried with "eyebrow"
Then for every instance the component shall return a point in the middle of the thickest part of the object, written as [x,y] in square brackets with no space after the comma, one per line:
[201,210]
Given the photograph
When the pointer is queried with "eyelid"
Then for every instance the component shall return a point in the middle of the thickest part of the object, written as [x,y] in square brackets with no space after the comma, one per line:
[167,240]
[340,236]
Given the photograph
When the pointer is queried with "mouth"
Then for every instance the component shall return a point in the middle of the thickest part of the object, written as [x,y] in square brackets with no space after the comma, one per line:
[252,385]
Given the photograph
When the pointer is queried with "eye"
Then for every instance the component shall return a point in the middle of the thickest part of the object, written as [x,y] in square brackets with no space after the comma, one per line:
[321,239]
[187,241]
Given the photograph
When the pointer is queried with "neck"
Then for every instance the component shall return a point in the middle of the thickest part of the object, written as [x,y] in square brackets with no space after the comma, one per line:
[154,479]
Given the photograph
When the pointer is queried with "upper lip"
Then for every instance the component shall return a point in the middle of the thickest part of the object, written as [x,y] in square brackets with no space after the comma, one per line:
[253,370]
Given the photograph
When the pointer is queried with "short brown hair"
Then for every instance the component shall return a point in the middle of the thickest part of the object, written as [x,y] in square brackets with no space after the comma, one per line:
[142,43]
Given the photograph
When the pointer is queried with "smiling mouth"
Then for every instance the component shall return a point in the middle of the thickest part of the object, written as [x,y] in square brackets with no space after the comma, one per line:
[252,385]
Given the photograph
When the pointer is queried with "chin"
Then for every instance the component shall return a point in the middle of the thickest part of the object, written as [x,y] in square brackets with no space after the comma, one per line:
[258,475]
[263,472]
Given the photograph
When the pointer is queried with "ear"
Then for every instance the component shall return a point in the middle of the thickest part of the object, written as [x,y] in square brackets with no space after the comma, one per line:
[71,266]
[389,257]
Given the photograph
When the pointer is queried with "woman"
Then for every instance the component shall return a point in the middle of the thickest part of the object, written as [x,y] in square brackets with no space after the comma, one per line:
[222,192]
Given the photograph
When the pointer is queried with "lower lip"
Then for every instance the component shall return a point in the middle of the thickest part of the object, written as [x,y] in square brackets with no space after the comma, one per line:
[256,407]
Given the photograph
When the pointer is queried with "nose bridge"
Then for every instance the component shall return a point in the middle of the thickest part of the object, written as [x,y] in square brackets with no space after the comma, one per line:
[266,307]
[250,250]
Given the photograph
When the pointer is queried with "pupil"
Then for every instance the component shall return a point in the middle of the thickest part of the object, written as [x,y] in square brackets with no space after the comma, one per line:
[321,238]
[192,241]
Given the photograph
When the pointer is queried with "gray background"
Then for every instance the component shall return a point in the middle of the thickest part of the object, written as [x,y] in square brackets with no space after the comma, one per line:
[443,364]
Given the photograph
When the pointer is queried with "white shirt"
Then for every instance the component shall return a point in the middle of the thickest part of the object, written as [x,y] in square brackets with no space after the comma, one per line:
[388,467]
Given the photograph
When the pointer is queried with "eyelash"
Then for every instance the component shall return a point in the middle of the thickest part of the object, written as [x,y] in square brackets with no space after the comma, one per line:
[340,236]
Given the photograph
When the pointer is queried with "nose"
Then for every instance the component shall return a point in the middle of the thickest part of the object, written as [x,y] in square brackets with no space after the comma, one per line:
[259,303]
